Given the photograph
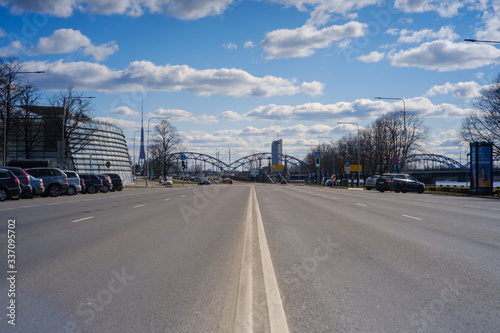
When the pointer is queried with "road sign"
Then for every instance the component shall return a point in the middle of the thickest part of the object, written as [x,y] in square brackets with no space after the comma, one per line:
[347,167]
[317,154]
[395,167]
[395,160]
[278,167]
[313,174]
[183,157]
[356,168]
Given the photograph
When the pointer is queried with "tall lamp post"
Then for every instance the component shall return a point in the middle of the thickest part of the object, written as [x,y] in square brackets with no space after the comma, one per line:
[333,150]
[63,130]
[481,41]
[404,127]
[147,150]
[7,110]
[359,144]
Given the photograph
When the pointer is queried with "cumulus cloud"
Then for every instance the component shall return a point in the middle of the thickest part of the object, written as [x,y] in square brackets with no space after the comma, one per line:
[410,36]
[373,56]
[178,115]
[469,89]
[446,8]
[248,45]
[444,55]
[182,9]
[15,48]
[301,42]
[230,46]
[69,41]
[124,111]
[146,76]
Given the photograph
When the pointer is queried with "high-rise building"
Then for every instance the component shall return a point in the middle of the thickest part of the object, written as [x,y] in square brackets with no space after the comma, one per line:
[277,152]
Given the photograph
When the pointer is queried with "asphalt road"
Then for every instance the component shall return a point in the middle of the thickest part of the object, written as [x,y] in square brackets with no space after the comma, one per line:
[237,258]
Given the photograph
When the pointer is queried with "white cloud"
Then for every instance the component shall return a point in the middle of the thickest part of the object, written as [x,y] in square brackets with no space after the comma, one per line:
[491,29]
[410,36]
[124,111]
[69,41]
[445,8]
[178,115]
[230,46]
[146,76]
[373,56]
[301,42]
[182,9]
[13,49]
[444,55]
[469,89]
[2,33]
[248,45]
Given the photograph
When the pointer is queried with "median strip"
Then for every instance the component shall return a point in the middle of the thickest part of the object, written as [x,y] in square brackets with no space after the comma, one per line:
[83,219]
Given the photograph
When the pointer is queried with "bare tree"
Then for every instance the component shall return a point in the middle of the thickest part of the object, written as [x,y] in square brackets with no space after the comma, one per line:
[166,141]
[484,124]
[29,125]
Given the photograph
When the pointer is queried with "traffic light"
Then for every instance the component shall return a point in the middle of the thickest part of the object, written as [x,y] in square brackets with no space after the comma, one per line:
[183,165]
[317,162]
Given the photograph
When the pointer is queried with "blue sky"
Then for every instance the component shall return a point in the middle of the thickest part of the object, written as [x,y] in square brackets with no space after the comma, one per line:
[234,73]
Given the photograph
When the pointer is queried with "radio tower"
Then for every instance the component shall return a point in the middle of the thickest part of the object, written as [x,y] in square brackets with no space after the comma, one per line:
[142,155]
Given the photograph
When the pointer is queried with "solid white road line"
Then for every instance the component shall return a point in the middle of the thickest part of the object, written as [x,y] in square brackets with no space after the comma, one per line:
[166,199]
[360,204]
[243,316]
[412,217]
[83,219]
[277,318]
[138,206]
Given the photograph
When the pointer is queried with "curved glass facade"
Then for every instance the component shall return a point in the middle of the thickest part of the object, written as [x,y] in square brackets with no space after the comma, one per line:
[105,151]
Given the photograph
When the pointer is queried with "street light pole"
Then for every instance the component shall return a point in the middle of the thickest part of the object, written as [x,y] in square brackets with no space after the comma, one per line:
[63,127]
[404,128]
[359,144]
[7,110]
[481,41]
[147,150]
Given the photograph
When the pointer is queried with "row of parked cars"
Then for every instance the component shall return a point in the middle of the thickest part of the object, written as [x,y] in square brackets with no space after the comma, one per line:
[18,183]
[396,182]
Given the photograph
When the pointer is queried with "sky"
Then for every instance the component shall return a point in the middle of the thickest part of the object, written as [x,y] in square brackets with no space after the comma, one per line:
[236,74]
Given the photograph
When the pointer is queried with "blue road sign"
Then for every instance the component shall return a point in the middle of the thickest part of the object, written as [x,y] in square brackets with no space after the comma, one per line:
[347,164]
[183,157]
[317,154]
[394,167]
[313,174]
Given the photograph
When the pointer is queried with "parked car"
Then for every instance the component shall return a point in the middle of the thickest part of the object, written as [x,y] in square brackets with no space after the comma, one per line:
[36,185]
[93,184]
[24,179]
[399,183]
[54,180]
[107,184]
[370,182]
[118,183]
[215,180]
[203,181]
[227,181]
[10,186]
[74,182]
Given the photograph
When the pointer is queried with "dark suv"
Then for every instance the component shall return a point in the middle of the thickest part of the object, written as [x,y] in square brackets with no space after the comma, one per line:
[24,179]
[10,186]
[107,184]
[117,181]
[399,183]
[54,180]
[93,183]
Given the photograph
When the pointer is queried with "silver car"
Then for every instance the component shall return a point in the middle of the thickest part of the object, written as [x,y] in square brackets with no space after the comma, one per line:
[74,183]
[370,182]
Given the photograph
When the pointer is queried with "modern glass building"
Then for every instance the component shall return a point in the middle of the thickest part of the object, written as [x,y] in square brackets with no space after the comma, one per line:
[276,152]
[94,147]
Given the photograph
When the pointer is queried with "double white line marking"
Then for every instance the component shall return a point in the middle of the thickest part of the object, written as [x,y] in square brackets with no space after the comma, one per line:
[243,321]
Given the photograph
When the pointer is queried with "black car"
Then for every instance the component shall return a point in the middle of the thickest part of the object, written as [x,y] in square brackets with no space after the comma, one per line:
[203,181]
[399,183]
[24,179]
[118,183]
[10,186]
[54,180]
[107,184]
[93,184]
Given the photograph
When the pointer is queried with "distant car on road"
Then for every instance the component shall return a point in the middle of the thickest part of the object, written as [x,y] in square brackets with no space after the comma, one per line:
[399,183]
[227,181]
[203,181]
[54,180]
[10,186]
[74,182]
[168,182]
[370,182]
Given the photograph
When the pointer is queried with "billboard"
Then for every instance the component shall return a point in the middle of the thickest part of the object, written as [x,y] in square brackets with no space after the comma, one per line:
[481,168]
